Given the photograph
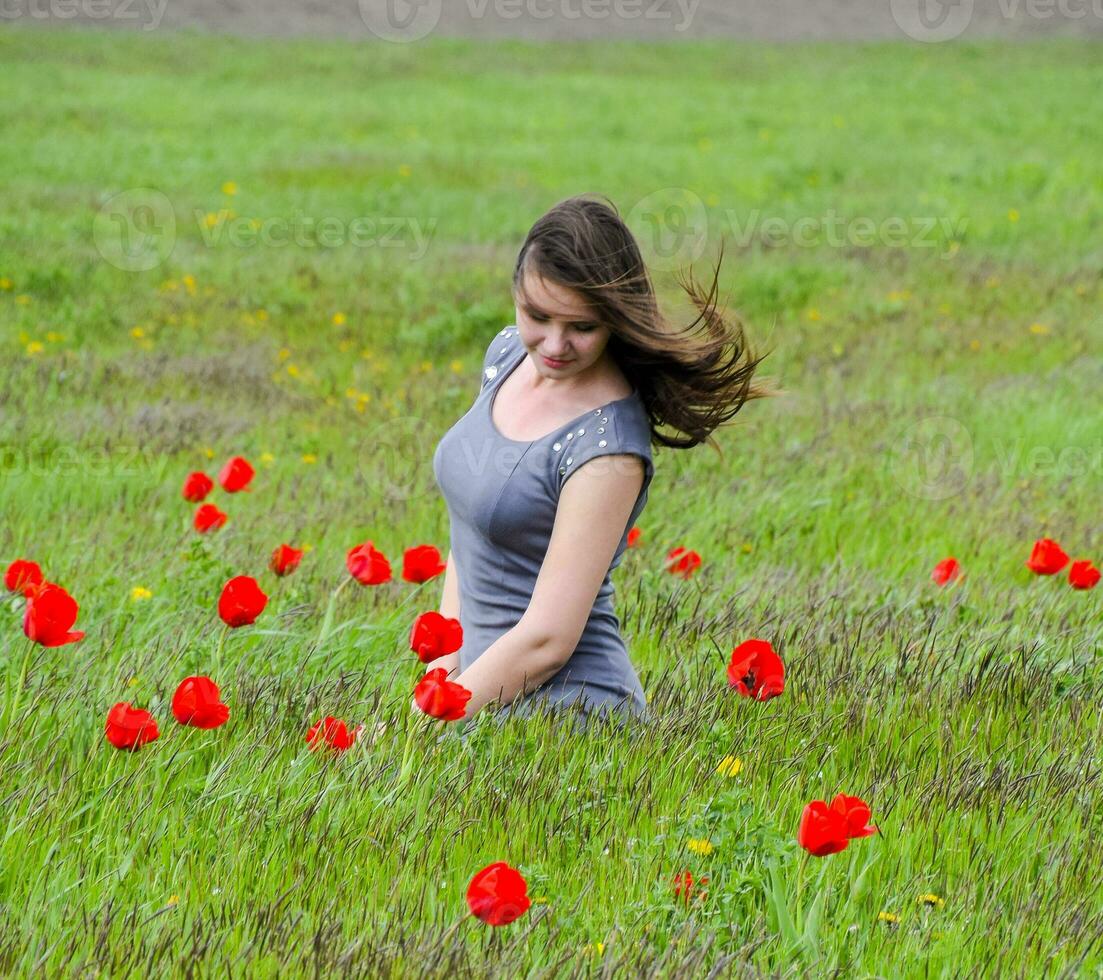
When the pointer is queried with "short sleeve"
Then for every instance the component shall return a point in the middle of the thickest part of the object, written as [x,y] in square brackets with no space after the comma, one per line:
[496,353]
[616,430]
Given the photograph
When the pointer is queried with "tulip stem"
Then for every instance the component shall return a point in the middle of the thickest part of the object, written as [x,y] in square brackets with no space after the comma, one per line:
[451,929]
[218,648]
[22,679]
[327,619]
[407,751]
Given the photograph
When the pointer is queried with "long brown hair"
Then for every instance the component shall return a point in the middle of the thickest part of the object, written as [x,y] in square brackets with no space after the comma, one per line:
[690,384]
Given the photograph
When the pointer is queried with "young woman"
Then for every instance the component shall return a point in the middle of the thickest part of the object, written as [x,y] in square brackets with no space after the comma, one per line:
[550,468]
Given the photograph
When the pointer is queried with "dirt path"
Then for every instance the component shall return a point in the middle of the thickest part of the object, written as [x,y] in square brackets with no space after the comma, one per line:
[658,20]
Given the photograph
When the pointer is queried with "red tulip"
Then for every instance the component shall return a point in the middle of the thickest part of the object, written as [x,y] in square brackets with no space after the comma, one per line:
[823,830]
[208,518]
[856,813]
[285,560]
[434,635]
[50,615]
[422,563]
[756,671]
[197,486]
[241,602]
[367,565]
[440,697]
[947,570]
[682,561]
[23,576]
[1047,558]
[196,703]
[128,727]
[633,537]
[332,732]
[686,887]
[498,894]
[236,474]
[1083,575]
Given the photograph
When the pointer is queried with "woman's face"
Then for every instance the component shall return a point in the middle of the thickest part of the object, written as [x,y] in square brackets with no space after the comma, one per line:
[556,329]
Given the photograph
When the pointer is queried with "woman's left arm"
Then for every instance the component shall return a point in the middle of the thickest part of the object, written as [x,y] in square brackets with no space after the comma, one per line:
[590,520]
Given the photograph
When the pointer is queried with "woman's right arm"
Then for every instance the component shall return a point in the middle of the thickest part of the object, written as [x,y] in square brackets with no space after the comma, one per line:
[450,607]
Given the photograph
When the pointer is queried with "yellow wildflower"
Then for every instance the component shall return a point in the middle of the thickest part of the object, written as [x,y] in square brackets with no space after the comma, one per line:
[35,347]
[189,283]
[23,299]
[53,336]
[456,367]
[293,370]
[931,899]
[229,188]
[1039,328]
[814,315]
[1013,215]
[137,333]
[309,458]
[700,845]
[208,452]
[140,592]
[173,899]
[5,283]
[730,766]
[974,345]
[339,319]
[888,917]
[591,948]
[267,459]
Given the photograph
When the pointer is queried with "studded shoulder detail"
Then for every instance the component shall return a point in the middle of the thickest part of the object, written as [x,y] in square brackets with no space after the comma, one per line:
[574,451]
[496,352]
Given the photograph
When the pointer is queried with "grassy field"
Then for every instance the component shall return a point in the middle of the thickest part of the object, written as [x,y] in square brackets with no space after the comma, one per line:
[943,399]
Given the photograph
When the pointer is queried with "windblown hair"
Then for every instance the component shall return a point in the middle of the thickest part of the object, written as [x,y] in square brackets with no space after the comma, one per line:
[691,384]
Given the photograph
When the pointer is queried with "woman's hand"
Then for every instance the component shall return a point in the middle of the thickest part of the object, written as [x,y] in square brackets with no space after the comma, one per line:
[380,730]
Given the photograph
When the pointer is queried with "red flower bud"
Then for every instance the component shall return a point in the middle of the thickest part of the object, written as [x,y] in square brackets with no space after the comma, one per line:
[434,635]
[241,602]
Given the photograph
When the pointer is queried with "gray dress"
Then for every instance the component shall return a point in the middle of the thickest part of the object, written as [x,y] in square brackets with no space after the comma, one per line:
[501,496]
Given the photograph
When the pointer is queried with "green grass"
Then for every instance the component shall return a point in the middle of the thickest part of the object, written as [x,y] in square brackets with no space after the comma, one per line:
[967,717]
